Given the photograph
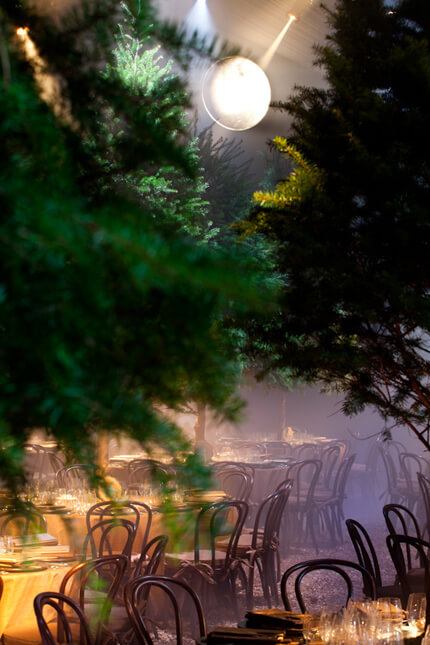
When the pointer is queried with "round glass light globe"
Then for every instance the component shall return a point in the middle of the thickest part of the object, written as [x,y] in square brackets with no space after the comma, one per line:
[236,93]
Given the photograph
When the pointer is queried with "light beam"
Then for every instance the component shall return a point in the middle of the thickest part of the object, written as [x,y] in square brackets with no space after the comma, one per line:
[267,57]
[199,19]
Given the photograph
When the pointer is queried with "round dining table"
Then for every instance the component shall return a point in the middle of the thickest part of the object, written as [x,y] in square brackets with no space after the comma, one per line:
[17,618]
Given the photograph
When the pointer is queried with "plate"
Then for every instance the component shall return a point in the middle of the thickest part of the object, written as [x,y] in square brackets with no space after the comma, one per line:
[21,569]
[54,558]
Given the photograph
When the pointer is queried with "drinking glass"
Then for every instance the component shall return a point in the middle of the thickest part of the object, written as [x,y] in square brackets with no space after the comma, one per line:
[426,639]
[327,624]
[310,627]
[416,614]
[9,544]
[389,618]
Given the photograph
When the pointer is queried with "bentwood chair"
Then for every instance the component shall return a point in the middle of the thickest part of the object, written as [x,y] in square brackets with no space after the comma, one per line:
[277,449]
[147,473]
[151,557]
[137,512]
[34,461]
[424,484]
[420,582]
[335,566]
[28,521]
[301,519]
[109,536]
[261,547]
[208,568]
[147,565]
[410,465]
[396,491]
[92,586]
[401,521]
[367,558]
[234,480]
[330,458]
[96,584]
[331,507]
[75,476]
[57,602]
[136,598]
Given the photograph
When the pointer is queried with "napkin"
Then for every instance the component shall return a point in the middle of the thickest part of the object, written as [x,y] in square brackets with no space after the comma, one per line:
[55,549]
[275,619]
[37,538]
[224,635]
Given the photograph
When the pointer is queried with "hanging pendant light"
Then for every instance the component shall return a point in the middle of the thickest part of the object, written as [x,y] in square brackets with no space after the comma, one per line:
[236,93]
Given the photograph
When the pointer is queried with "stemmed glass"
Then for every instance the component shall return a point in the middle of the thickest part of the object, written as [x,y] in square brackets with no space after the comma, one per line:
[390,617]
[327,627]
[310,627]
[416,614]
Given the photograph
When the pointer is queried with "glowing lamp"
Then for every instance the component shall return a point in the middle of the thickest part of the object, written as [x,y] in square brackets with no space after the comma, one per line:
[236,93]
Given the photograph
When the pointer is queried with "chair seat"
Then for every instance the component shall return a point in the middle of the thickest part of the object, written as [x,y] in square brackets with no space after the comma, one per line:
[389,591]
[416,579]
[175,559]
[119,621]
[303,504]
[243,546]
[323,496]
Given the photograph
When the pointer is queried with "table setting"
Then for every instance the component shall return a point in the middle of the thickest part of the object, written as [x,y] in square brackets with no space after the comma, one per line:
[380,622]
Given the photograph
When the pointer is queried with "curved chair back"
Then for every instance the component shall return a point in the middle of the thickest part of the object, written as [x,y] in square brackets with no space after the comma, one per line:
[109,536]
[400,521]
[397,545]
[136,512]
[305,475]
[104,575]
[410,465]
[365,551]
[34,459]
[57,601]
[326,564]
[22,522]
[341,478]
[75,476]
[307,451]
[270,514]
[147,473]
[151,557]
[234,480]
[330,457]
[391,472]
[424,484]
[170,586]
[225,519]
[277,449]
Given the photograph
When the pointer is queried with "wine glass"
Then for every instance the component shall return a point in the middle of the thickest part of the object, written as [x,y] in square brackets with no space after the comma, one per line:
[416,614]
[426,639]
[390,617]
[310,627]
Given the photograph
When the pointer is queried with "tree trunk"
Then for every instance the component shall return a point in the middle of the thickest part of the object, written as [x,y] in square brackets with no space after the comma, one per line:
[102,450]
[200,425]
[283,416]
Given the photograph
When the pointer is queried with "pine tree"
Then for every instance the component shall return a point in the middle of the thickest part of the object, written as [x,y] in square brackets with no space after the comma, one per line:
[352,221]
[109,311]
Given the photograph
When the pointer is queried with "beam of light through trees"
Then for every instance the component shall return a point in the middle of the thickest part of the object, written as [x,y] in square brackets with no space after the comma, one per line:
[268,55]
